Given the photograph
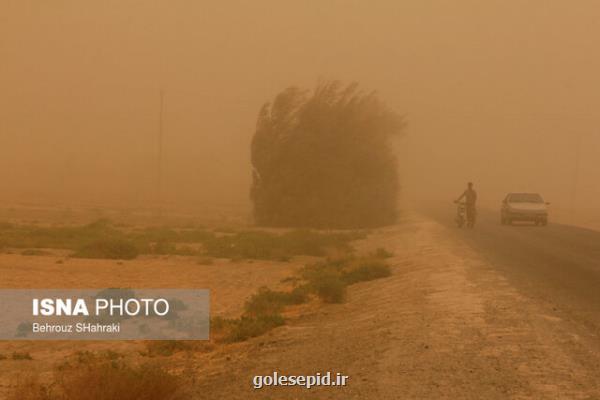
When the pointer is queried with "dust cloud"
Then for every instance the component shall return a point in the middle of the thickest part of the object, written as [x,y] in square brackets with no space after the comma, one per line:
[502,93]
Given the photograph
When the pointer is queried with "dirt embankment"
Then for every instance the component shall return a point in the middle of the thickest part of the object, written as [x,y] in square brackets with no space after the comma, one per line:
[446,325]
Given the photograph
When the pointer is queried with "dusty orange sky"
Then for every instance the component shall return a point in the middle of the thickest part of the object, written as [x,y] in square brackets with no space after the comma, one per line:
[496,92]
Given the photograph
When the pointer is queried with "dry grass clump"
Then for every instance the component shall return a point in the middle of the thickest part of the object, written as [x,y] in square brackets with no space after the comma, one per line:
[98,378]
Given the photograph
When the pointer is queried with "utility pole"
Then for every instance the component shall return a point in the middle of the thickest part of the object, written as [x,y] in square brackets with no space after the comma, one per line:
[576,177]
[159,161]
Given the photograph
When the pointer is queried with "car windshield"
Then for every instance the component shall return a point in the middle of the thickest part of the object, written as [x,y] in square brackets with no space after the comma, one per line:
[525,198]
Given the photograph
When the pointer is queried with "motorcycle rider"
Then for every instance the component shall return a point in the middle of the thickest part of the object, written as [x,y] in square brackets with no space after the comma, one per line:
[470,196]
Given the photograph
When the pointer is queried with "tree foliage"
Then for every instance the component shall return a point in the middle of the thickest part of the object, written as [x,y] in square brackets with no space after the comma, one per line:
[324,159]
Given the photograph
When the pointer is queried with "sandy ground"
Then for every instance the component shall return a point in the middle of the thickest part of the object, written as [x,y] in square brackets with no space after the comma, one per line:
[230,283]
[445,325]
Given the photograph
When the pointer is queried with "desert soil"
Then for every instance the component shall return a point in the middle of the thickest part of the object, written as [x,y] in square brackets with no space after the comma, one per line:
[230,283]
[445,325]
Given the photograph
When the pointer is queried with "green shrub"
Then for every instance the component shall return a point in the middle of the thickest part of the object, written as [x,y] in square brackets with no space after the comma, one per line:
[114,249]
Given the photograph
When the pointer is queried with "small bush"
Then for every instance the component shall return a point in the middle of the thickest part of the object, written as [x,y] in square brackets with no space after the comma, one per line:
[114,249]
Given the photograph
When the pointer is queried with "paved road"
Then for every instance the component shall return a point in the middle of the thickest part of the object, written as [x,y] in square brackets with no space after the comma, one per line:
[557,264]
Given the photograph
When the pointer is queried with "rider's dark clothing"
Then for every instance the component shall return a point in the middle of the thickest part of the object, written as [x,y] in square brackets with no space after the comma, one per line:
[470,196]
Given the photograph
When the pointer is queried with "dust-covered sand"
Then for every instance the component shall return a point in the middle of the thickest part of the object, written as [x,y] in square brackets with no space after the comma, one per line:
[444,325]
[230,284]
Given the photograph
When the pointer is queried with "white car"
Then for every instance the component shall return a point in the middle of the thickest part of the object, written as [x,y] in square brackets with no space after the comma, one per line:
[524,207]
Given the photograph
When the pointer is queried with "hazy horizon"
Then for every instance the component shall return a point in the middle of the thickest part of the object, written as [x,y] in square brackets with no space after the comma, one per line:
[495,92]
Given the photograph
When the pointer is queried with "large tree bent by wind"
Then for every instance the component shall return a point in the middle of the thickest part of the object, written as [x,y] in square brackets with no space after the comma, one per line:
[324,159]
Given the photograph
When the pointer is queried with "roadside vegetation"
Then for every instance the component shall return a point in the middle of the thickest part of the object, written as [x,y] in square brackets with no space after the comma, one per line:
[264,311]
[112,375]
[101,239]
[326,280]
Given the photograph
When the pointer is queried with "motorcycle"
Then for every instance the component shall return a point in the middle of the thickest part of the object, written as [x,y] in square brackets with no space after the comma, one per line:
[462,217]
